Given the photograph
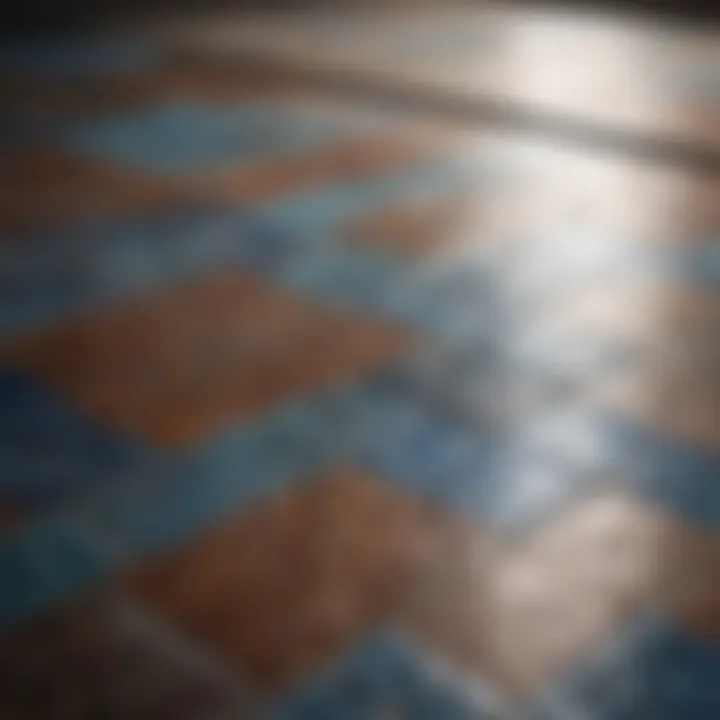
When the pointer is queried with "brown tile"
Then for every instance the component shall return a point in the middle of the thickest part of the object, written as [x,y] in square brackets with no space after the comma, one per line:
[683,403]
[692,600]
[347,160]
[45,187]
[79,99]
[217,82]
[524,613]
[99,658]
[282,588]
[416,229]
[184,78]
[176,365]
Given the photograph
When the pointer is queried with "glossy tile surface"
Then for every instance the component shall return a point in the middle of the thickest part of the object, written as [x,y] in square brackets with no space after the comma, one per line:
[176,366]
[312,407]
[279,589]
[50,187]
[102,657]
[626,72]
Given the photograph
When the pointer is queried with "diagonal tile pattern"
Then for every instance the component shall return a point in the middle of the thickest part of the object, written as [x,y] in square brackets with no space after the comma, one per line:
[279,589]
[312,408]
[100,657]
[176,366]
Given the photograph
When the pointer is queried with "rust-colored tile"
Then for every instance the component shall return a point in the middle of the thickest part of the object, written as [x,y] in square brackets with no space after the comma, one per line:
[74,99]
[218,82]
[282,588]
[693,598]
[682,402]
[347,160]
[415,229]
[99,658]
[176,365]
[524,613]
[184,78]
[46,187]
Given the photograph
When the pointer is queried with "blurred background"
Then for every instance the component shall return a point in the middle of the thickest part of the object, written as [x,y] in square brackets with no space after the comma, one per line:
[359,360]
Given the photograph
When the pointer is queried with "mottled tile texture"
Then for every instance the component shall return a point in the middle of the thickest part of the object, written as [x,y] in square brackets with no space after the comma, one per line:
[316,407]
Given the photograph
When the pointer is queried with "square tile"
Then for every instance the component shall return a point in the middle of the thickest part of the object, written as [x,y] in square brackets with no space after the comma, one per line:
[91,265]
[181,137]
[415,229]
[178,365]
[651,672]
[674,474]
[692,600]
[43,562]
[46,188]
[423,448]
[99,657]
[51,452]
[345,277]
[321,213]
[218,83]
[280,588]
[343,160]
[381,678]
[525,612]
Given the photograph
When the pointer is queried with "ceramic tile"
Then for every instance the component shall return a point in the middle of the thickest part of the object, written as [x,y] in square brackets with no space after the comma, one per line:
[346,160]
[100,657]
[381,677]
[184,137]
[47,188]
[539,605]
[311,546]
[652,672]
[51,452]
[415,229]
[158,369]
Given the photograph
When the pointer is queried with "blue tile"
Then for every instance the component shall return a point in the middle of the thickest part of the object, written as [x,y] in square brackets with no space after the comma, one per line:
[408,440]
[87,265]
[172,497]
[323,211]
[169,502]
[650,672]
[94,263]
[699,264]
[676,474]
[161,502]
[42,564]
[49,452]
[345,276]
[381,677]
[187,137]
[97,263]
[454,305]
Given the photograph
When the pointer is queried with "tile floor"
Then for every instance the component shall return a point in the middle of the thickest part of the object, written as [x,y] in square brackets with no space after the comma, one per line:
[312,407]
